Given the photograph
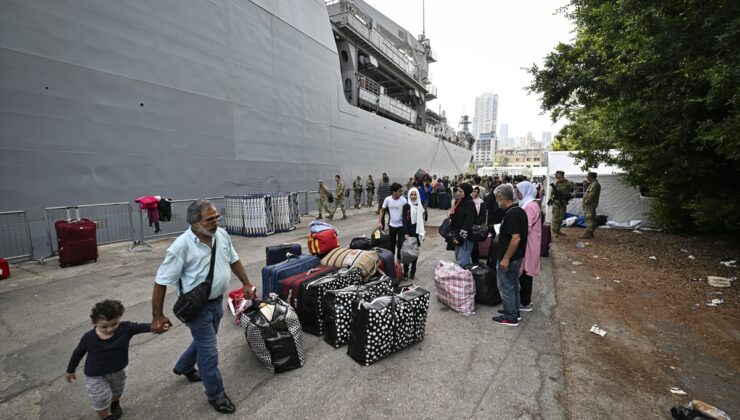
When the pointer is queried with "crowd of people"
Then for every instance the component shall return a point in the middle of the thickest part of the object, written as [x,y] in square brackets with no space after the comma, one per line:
[511,213]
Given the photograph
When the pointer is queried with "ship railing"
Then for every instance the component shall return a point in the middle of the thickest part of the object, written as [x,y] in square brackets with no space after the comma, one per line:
[114,222]
[364,28]
[177,222]
[15,236]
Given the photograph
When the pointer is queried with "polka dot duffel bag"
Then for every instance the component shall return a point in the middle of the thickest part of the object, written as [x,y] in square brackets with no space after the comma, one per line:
[387,324]
[274,334]
[338,306]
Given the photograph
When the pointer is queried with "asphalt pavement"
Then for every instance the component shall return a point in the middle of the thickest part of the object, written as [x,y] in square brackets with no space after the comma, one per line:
[466,367]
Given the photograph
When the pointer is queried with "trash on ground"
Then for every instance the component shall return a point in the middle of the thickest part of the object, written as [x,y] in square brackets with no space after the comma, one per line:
[573,272]
[715,281]
[580,245]
[691,257]
[677,391]
[684,250]
[637,231]
[617,281]
[577,263]
[597,278]
[731,263]
[563,323]
[653,257]
[598,331]
[673,367]
[715,302]
[708,410]
[596,256]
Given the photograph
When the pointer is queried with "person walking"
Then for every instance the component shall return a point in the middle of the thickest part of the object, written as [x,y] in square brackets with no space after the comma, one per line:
[384,191]
[590,203]
[370,188]
[531,262]
[323,199]
[413,223]
[393,205]
[410,184]
[357,187]
[562,192]
[512,244]
[339,199]
[463,218]
[185,266]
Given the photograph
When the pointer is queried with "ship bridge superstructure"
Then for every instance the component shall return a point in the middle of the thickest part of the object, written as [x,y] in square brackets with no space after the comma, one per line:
[384,69]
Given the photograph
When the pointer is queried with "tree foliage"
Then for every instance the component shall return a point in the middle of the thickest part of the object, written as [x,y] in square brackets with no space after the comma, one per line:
[657,81]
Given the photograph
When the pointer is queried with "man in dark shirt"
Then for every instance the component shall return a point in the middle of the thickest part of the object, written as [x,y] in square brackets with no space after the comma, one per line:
[512,243]
[384,190]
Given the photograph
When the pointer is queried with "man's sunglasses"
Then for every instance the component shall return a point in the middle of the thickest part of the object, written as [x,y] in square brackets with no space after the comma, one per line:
[213,219]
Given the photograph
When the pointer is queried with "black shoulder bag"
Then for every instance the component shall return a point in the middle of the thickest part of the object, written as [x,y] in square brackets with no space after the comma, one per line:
[189,304]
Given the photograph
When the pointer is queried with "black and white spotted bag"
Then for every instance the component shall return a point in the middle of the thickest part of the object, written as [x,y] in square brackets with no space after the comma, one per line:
[310,310]
[338,306]
[278,342]
[387,324]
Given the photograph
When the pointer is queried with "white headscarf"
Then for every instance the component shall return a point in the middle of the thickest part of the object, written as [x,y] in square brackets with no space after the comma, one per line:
[417,213]
[528,191]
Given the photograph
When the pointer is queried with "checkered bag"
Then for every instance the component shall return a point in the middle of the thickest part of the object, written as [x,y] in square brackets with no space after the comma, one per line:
[339,304]
[387,324]
[455,287]
[274,335]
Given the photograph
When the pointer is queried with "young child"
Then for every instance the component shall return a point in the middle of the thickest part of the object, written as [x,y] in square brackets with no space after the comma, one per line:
[107,357]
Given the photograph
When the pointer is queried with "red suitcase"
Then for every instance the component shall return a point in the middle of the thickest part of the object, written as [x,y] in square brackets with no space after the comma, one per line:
[546,238]
[291,286]
[484,247]
[322,242]
[76,240]
[4,269]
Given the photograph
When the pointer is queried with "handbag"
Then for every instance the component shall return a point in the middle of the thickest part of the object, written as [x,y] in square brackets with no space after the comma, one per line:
[478,234]
[189,304]
[409,250]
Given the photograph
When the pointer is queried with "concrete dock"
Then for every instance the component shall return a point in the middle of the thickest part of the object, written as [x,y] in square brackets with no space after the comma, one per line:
[466,367]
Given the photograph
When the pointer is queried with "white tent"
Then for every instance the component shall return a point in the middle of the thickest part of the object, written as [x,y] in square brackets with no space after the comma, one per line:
[618,202]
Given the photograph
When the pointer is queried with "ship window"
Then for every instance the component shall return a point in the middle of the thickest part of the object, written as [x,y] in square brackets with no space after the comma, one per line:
[345,56]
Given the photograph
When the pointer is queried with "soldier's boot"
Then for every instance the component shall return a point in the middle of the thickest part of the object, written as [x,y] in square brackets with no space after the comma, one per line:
[344,215]
[319,216]
[587,235]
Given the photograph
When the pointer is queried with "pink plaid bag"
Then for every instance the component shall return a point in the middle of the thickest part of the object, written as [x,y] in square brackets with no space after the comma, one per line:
[455,287]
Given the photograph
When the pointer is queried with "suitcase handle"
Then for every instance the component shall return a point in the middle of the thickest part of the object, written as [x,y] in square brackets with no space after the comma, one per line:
[69,213]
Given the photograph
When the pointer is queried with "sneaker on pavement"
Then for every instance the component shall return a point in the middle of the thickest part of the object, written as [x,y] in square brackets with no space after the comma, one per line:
[526,308]
[223,404]
[518,316]
[193,375]
[503,321]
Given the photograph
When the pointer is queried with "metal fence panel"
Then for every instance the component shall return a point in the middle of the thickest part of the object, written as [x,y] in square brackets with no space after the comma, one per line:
[114,221]
[15,236]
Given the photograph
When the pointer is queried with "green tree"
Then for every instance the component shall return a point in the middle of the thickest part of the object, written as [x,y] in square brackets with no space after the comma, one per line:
[657,82]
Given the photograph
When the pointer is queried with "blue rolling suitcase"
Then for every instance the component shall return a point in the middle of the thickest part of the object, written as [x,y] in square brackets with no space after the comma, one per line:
[272,274]
[279,253]
[444,201]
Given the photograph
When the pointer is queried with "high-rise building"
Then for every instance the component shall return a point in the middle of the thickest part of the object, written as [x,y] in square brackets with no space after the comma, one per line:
[546,138]
[484,149]
[503,134]
[486,114]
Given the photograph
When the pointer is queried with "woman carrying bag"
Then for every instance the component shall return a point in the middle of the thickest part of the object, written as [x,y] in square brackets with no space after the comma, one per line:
[463,218]
[413,223]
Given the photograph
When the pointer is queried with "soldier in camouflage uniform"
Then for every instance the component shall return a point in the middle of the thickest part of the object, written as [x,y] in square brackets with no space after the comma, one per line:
[590,202]
[561,193]
[339,199]
[370,187]
[323,199]
[410,184]
[357,187]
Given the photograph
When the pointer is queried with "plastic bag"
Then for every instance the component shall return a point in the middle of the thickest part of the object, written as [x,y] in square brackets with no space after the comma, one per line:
[409,250]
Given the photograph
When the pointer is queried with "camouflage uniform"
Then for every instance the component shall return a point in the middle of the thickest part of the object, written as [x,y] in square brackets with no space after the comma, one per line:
[323,199]
[409,184]
[590,202]
[370,187]
[339,200]
[559,203]
[357,187]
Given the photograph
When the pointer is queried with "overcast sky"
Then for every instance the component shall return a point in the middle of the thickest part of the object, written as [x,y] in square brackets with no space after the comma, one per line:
[482,46]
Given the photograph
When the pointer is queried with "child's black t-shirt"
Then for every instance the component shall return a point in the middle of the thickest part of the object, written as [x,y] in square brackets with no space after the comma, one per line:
[106,356]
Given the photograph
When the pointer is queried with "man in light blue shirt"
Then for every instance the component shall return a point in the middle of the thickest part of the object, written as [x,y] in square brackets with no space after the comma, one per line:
[188,261]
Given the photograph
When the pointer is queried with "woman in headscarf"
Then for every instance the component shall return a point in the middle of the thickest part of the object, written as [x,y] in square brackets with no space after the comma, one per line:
[480,219]
[527,193]
[463,218]
[413,223]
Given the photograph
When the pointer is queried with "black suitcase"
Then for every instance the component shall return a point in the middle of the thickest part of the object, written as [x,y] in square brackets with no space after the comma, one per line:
[279,253]
[432,200]
[444,201]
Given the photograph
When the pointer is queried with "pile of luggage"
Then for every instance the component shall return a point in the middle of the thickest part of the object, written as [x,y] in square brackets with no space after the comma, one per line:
[350,295]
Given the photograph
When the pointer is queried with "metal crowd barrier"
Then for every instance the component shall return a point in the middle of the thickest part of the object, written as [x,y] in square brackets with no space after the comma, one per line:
[114,222]
[176,225]
[15,236]
[261,214]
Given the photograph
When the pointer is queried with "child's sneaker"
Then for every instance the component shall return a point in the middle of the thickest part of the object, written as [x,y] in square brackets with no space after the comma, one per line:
[503,321]
[526,308]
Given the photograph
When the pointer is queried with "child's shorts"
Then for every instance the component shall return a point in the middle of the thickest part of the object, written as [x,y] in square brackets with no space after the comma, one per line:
[102,388]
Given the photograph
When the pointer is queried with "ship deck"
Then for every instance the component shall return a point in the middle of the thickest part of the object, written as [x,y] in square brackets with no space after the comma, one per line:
[466,367]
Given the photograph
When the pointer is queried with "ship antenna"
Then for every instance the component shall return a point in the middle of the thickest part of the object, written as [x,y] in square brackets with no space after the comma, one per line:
[423,19]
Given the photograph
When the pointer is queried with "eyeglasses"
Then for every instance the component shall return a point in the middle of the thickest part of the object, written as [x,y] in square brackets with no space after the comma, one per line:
[214,219]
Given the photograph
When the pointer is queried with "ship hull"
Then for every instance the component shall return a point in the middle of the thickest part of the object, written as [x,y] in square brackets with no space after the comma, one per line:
[108,101]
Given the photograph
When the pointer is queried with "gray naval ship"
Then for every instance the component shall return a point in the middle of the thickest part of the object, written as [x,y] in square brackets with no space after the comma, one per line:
[105,101]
